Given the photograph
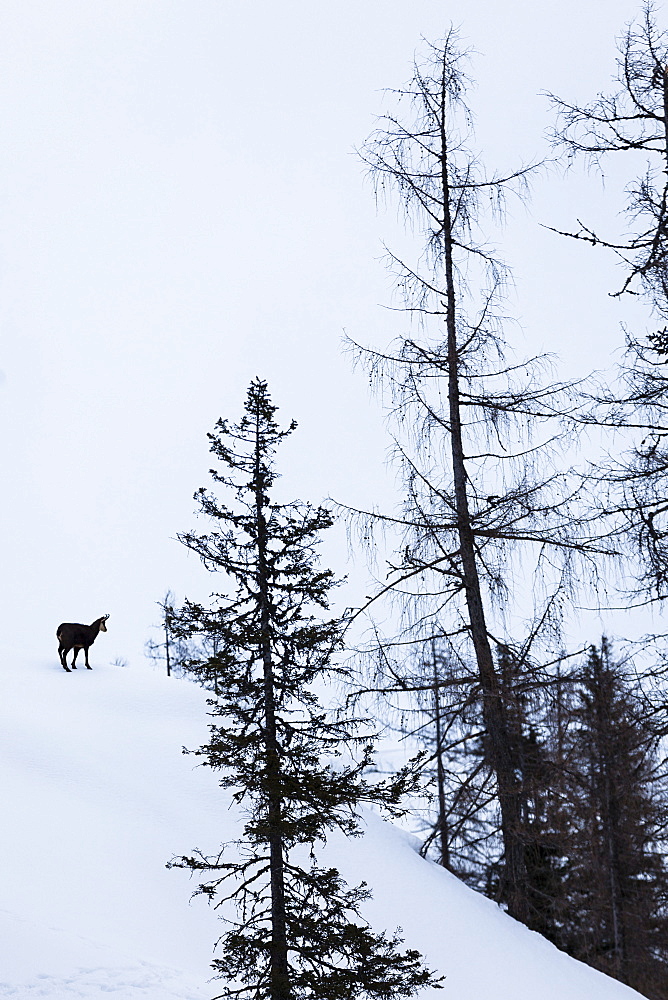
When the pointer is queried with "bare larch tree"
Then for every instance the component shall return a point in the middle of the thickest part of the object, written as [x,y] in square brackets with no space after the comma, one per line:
[634,120]
[474,429]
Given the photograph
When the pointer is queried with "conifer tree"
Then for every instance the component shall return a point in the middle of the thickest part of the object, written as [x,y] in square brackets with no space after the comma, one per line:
[631,490]
[484,506]
[617,877]
[174,653]
[633,120]
[296,769]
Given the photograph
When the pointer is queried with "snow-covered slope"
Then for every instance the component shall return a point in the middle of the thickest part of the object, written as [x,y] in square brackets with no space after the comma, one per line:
[97,797]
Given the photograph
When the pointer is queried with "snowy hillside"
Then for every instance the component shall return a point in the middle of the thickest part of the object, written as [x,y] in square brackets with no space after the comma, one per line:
[97,797]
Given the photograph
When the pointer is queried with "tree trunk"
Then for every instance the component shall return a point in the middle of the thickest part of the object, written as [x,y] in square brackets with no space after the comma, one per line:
[440,772]
[500,750]
[279,971]
[167,659]
[609,817]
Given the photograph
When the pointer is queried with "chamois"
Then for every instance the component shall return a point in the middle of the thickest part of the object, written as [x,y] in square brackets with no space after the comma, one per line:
[76,637]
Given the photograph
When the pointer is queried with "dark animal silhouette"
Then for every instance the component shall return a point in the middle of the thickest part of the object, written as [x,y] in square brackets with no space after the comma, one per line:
[76,637]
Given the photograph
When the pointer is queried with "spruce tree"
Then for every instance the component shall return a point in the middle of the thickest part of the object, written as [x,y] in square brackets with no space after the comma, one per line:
[617,882]
[296,769]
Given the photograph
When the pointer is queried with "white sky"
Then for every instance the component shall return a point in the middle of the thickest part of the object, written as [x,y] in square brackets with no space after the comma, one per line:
[180,210]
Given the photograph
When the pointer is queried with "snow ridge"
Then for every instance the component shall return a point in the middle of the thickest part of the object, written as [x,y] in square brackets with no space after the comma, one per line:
[98,797]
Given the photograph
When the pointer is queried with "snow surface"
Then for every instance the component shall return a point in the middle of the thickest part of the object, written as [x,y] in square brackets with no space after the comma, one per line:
[97,797]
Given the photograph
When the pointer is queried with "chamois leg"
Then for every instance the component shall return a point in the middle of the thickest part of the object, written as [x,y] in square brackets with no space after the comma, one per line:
[62,653]
[88,666]
[74,658]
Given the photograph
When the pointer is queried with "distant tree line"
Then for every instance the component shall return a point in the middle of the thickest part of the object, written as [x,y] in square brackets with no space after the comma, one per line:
[592,801]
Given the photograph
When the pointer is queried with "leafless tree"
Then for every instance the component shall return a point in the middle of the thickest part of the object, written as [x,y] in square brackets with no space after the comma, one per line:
[634,118]
[174,651]
[488,522]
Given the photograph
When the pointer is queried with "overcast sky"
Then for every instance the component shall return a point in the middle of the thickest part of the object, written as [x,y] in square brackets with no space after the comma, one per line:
[181,210]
